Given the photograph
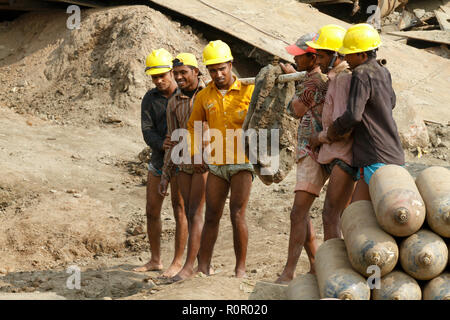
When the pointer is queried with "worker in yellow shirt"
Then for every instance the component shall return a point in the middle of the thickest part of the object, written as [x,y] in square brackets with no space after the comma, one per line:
[223,105]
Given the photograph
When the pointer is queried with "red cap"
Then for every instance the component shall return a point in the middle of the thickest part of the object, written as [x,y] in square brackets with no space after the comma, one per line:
[300,47]
[296,51]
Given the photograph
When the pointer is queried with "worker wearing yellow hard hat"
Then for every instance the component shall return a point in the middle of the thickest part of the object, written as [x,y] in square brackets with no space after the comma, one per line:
[369,109]
[223,106]
[330,38]
[327,45]
[158,61]
[192,184]
[216,52]
[154,128]
[360,40]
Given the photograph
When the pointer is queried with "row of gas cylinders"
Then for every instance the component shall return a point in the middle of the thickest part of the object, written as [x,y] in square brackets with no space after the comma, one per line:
[395,247]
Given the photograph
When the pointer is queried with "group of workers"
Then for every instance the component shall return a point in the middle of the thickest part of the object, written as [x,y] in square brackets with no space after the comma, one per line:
[346,132]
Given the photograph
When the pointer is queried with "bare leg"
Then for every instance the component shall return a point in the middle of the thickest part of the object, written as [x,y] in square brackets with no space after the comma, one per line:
[181,229]
[195,219]
[297,238]
[339,192]
[241,184]
[361,191]
[311,246]
[153,212]
[216,195]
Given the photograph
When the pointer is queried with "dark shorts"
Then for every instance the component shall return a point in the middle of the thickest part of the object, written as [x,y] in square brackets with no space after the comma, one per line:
[351,171]
[157,172]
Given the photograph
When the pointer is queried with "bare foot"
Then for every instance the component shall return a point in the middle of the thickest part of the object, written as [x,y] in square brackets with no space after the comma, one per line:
[284,279]
[312,271]
[149,266]
[184,274]
[240,273]
[173,269]
[209,273]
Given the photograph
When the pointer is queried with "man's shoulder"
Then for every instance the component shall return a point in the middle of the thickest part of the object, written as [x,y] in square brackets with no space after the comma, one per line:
[344,75]
[367,69]
[316,77]
[150,95]
[247,87]
[205,91]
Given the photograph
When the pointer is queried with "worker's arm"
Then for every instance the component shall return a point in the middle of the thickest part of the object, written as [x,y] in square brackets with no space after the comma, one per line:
[151,136]
[304,99]
[393,96]
[296,108]
[357,100]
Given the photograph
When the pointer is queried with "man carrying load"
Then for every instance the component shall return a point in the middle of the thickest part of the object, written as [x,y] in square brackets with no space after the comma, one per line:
[369,108]
[307,106]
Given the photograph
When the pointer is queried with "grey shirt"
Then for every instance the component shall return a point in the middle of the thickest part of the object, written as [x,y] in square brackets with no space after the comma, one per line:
[154,124]
[369,112]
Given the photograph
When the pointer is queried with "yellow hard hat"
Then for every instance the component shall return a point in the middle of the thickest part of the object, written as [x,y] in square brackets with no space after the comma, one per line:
[187,59]
[359,38]
[157,62]
[216,52]
[330,38]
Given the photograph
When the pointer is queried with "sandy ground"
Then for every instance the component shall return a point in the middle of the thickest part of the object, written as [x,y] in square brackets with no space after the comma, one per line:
[68,197]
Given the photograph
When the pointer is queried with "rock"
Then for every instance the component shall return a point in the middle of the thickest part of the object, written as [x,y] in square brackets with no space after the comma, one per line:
[76,157]
[411,127]
[144,155]
[111,119]
[419,13]
[137,230]
[77,195]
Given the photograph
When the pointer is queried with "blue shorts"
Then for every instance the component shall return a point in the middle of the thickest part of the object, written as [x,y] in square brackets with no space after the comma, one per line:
[158,172]
[153,170]
[369,171]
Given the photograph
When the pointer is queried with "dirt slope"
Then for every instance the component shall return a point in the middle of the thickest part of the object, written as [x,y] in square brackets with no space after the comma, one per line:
[86,75]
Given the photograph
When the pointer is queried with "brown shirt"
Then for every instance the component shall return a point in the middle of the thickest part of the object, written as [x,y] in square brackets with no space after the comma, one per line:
[179,109]
[369,112]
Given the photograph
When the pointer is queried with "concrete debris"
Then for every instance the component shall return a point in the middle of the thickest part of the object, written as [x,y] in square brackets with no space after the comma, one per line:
[409,20]
[436,36]
[443,19]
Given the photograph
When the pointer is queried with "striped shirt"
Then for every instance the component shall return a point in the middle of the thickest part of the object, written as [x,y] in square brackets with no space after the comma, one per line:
[179,109]
[311,92]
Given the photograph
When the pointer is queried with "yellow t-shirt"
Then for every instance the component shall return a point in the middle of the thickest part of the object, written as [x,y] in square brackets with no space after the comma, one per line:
[224,115]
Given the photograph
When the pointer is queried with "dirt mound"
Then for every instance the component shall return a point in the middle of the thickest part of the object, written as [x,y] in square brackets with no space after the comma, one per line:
[87,75]
[61,228]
